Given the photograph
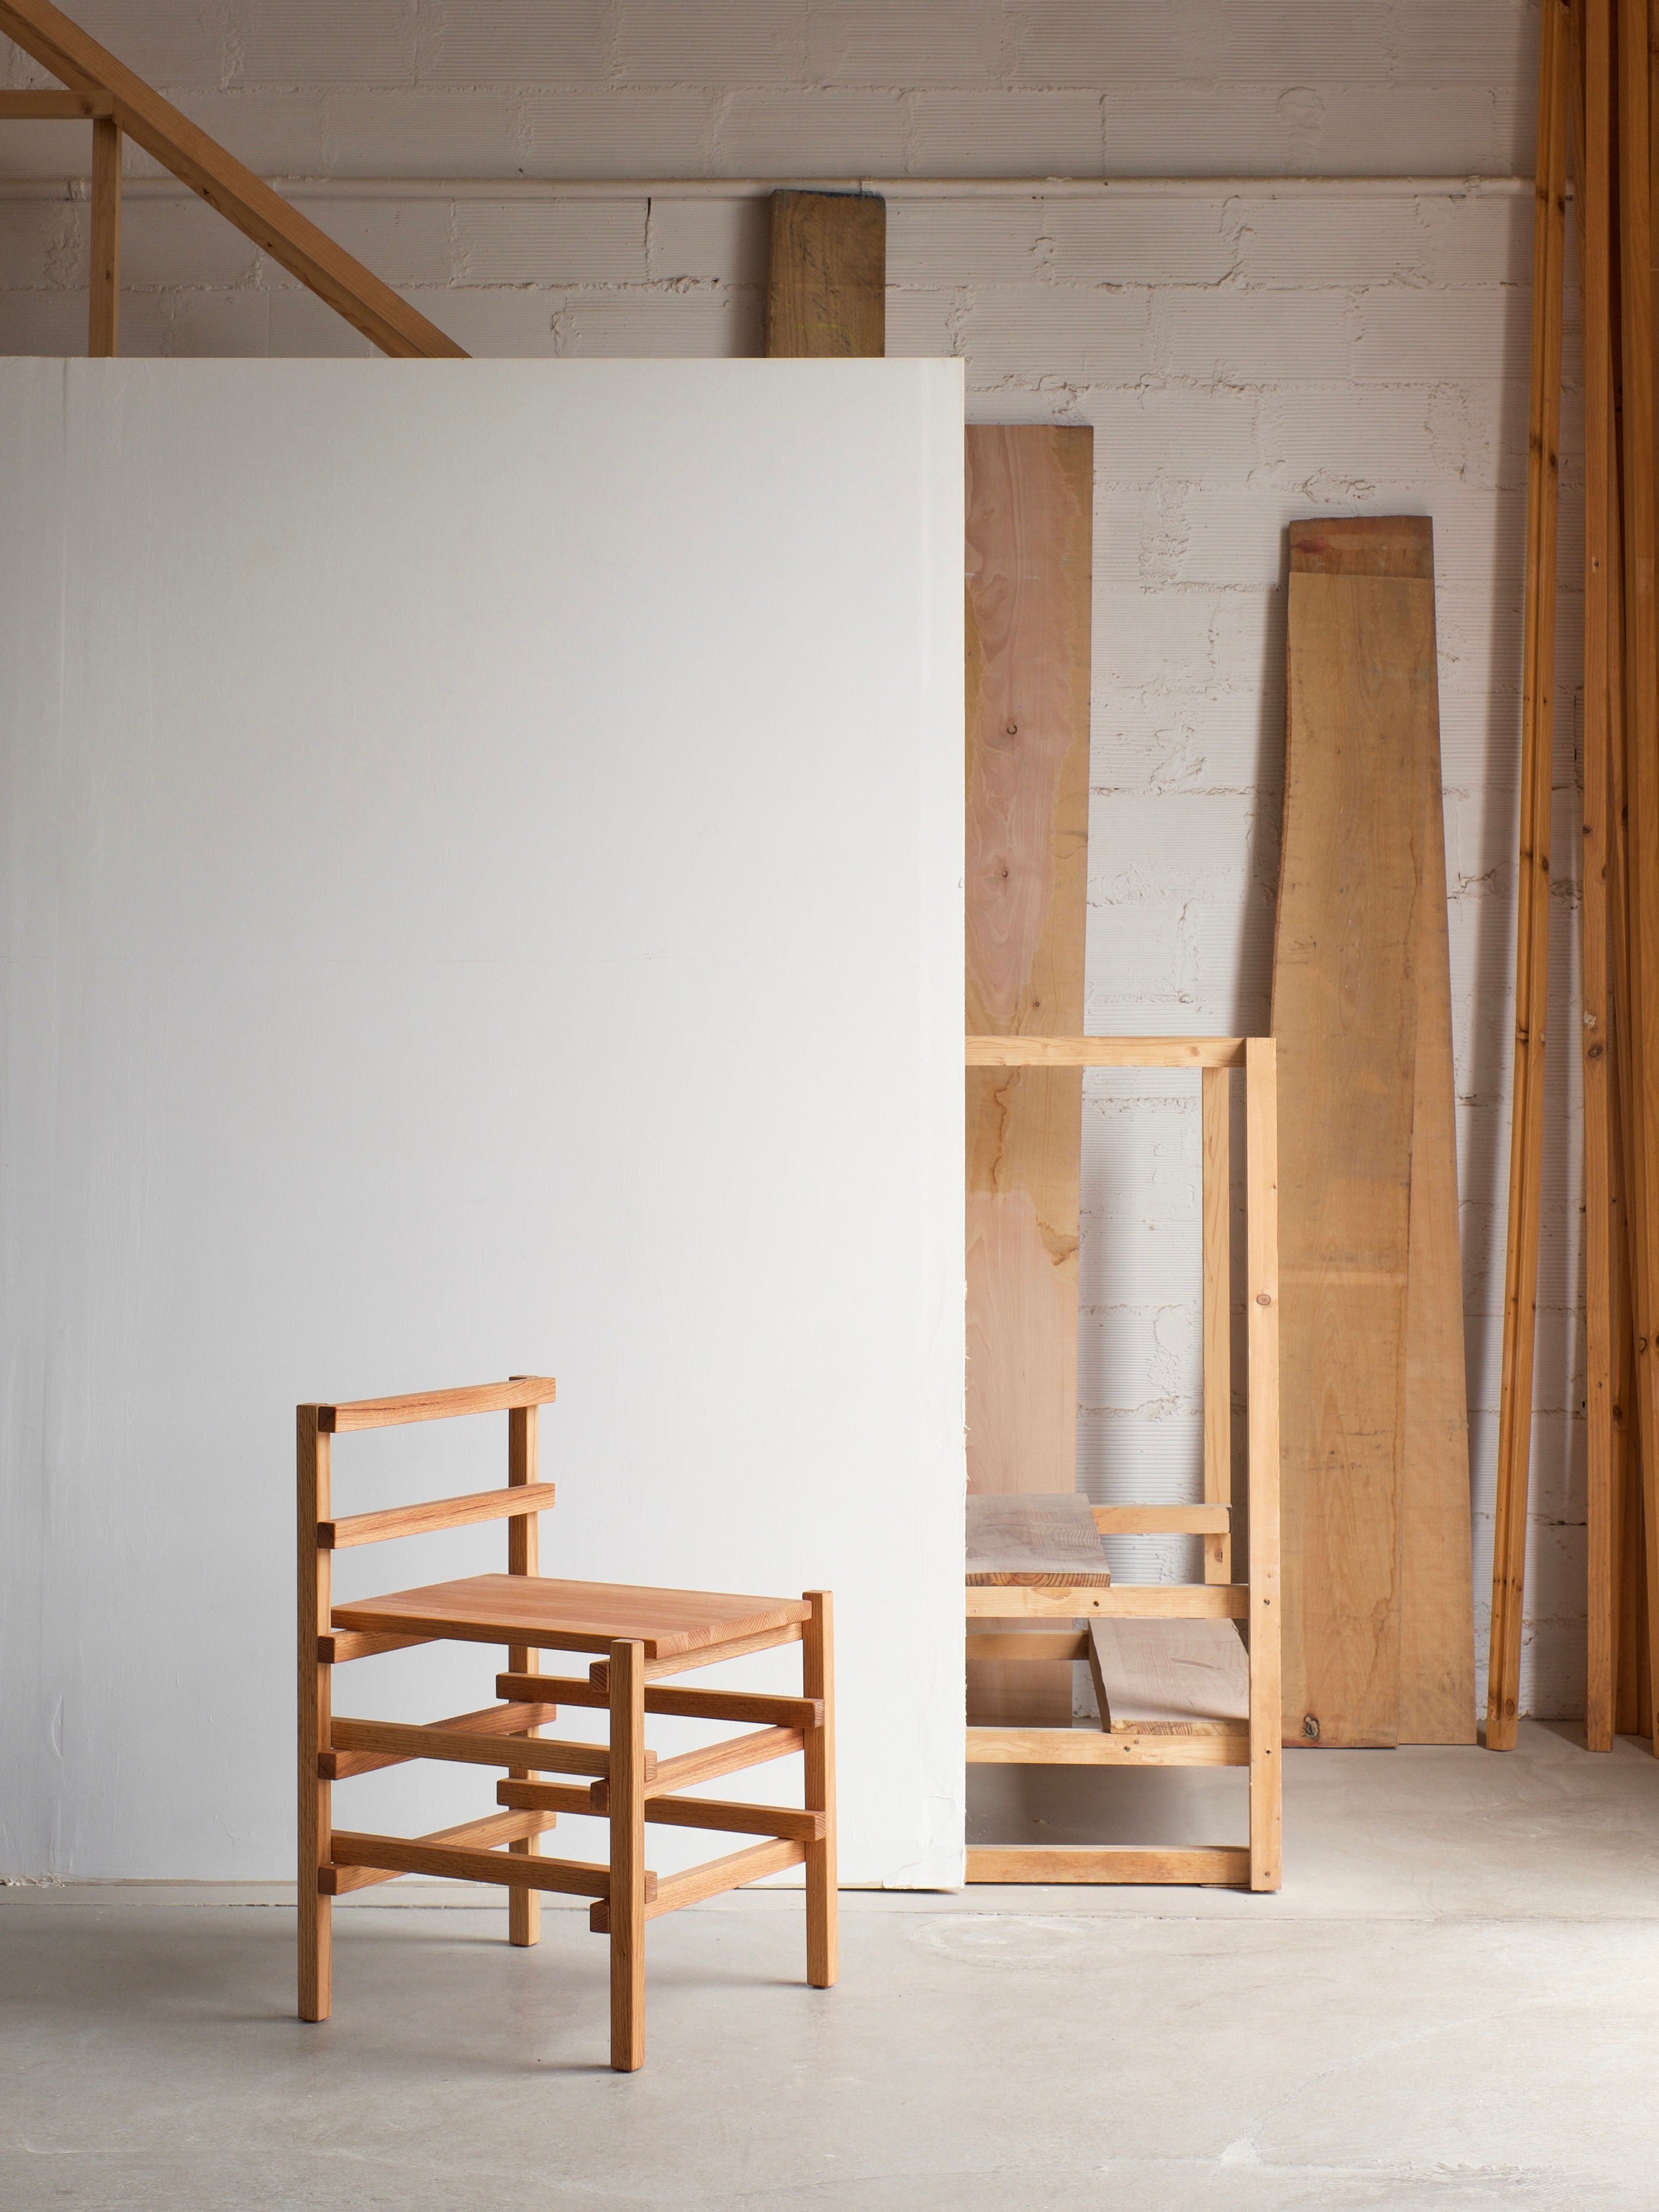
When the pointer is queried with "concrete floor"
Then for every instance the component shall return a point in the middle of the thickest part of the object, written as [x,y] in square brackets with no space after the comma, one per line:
[1454,2003]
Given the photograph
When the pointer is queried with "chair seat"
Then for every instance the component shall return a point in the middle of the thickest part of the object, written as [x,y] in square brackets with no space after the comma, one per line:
[568,1616]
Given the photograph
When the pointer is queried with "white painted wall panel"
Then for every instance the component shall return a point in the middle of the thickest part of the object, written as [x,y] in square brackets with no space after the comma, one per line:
[483,853]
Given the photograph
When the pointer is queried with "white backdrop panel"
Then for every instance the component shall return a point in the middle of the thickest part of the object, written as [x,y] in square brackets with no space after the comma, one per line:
[483,849]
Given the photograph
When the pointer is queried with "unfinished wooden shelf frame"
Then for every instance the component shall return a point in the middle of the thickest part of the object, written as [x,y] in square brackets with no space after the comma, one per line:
[1195,1736]
[637,1636]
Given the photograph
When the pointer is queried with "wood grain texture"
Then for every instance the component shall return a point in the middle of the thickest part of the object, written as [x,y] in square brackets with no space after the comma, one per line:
[713,1879]
[1262,1308]
[826,286]
[315,1571]
[477,1746]
[338,1764]
[1532,863]
[457,1862]
[437,1405]
[104,245]
[573,1616]
[818,1795]
[387,320]
[1215,1112]
[1126,1601]
[1184,1674]
[1033,1541]
[485,1833]
[625,1892]
[1029,524]
[1345,1018]
[1088,1746]
[434,1513]
[524,1557]
[686,1705]
[1104,1052]
[1210,1867]
[1436,1616]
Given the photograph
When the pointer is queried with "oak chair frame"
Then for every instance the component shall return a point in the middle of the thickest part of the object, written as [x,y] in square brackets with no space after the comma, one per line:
[624,1782]
[1254,1600]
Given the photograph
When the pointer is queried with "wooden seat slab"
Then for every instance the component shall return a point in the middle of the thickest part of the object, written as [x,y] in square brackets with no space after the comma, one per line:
[1040,1540]
[571,1616]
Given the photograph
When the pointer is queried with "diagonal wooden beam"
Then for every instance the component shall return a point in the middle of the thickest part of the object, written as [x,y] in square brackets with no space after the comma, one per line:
[242,199]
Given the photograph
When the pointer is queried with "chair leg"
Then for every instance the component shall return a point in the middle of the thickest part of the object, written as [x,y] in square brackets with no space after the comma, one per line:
[819,1681]
[627,1808]
[316,1711]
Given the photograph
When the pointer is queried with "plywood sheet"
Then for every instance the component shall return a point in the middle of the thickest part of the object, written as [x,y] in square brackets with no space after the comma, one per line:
[1361,707]
[826,292]
[1436,1614]
[1029,499]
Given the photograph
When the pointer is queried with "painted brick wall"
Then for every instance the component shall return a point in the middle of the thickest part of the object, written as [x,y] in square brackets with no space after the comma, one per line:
[1247,351]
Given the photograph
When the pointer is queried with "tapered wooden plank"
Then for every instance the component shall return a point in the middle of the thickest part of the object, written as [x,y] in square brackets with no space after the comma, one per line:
[1217,1867]
[1592,140]
[438,1405]
[1345,1017]
[1029,493]
[826,288]
[1532,922]
[434,1513]
[104,246]
[1436,1614]
[222,181]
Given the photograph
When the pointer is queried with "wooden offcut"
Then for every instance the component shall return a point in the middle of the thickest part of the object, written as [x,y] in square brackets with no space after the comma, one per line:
[1186,1674]
[1029,497]
[1346,1016]
[826,293]
[1436,1625]
[1034,1541]
[1533,878]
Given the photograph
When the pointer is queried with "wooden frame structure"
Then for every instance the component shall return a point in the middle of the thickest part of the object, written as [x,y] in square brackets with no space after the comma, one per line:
[638,1636]
[115,100]
[1252,1603]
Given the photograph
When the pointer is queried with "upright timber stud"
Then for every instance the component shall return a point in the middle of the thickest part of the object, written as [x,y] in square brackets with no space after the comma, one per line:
[104,266]
[524,1907]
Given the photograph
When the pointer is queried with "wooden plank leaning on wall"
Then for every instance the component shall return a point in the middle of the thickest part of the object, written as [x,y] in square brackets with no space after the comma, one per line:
[1374,1434]
[826,293]
[1030,554]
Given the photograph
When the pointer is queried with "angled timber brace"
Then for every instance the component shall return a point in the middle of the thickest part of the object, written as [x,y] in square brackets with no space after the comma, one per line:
[106,91]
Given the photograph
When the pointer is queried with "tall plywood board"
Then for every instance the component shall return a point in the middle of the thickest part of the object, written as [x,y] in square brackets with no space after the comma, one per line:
[1029,499]
[1379,1641]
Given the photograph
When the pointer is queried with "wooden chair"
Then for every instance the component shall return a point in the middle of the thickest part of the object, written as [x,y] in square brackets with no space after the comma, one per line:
[1173,1681]
[639,1636]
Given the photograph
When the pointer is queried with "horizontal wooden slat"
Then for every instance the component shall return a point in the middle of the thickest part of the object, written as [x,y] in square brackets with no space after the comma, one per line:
[1036,1644]
[1162,1520]
[494,1828]
[1078,1746]
[434,1513]
[476,1747]
[1104,1052]
[341,1646]
[719,1813]
[339,1763]
[732,1755]
[1125,1601]
[708,1654]
[455,1862]
[686,1705]
[1214,1866]
[53,106]
[437,1405]
[709,1880]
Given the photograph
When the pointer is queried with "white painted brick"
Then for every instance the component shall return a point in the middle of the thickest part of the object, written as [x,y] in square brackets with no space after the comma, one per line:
[515,42]
[319,42]
[347,131]
[550,242]
[1135,239]
[1479,42]
[1482,334]
[1116,41]
[1139,940]
[639,132]
[974,241]
[1191,741]
[812,134]
[1139,1362]
[300,326]
[1484,240]
[196,325]
[1161,1461]
[42,149]
[1226,334]
[721,42]
[403,242]
[661,327]
[923,326]
[509,324]
[1009,134]
[1156,1261]
[1176,642]
[52,322]
[872,42]
[1203,128]
[1174,845]
[1371,439]
[170,43]
[1069,331]
[1193,437]
[728,240]
[43,245]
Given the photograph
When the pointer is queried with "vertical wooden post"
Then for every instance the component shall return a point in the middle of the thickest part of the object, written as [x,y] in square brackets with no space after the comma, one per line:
[104,264]
[1262,1278]
[819,1681]
[627,1900]
[826,292]
[524,1907]
[1216,1205]
[316,1686]
[1532,922]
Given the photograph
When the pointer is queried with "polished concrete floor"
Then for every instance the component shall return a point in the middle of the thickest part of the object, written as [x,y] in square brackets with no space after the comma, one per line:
[1454,2003]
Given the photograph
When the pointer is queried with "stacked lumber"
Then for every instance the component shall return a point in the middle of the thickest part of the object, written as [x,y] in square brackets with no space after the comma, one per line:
[1597,113]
